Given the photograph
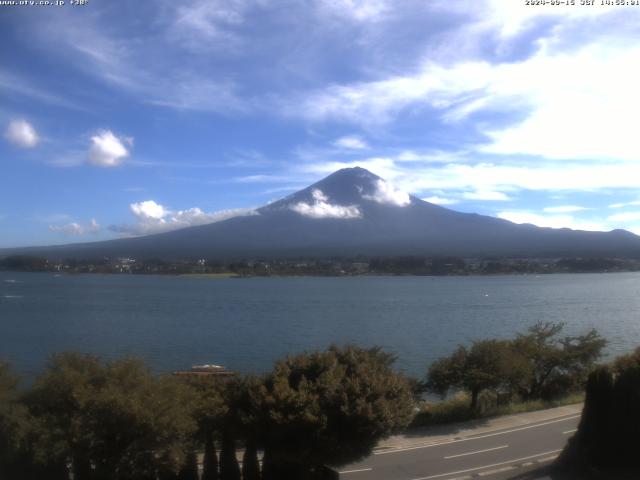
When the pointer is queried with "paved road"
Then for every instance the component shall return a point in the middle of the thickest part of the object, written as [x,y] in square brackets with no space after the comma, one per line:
[483,455]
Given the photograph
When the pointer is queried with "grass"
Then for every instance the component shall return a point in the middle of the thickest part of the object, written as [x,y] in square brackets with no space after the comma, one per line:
[457,409]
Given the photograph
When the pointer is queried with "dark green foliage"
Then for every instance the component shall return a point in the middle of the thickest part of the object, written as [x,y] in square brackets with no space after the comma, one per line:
[114,420]
[486,365]
[552,360]
[189,470]
[229,468]
[250,465]
[14,427]
[115,416]
[607,437]
[333,406]
[535,365]
[210,460]
[268,467]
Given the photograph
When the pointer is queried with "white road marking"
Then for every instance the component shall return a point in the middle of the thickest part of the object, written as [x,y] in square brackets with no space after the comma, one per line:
[570,431]
[385,452]
[547,459]
[356,471]
[487,466]
[477,451]
[495,470]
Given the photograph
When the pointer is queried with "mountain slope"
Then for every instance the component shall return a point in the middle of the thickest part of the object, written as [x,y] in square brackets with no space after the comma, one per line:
[352,212]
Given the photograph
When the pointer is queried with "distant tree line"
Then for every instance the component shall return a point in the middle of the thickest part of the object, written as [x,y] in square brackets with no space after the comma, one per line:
[87,419]
[537,364]
[357,265]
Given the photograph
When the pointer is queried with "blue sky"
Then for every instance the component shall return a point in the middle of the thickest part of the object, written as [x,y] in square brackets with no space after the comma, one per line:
[123,118]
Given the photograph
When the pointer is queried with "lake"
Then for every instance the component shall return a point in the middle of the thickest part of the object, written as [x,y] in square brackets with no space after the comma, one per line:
[247,323]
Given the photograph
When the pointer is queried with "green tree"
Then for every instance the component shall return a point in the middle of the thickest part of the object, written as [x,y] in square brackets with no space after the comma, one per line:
[250,465]
[112,420]
[607,438]
[15,458]
[229,468]
[555,364]
[210,459]
[189,470]
[330,407]
[209,411]
[487,364]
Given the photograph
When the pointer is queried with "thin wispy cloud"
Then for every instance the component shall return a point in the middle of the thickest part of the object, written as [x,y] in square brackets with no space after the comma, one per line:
[474,103]
[76,229]
[351,142]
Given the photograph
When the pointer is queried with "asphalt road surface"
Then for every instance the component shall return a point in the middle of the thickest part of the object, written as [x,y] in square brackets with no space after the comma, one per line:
[486,455]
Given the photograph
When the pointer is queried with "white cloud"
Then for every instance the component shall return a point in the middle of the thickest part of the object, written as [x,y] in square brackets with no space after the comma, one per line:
[441,200]
[434,156]
[148,210]
[564,209]
[624,217]
[153,217]
[359,10]
[552,221]
[529,176]
[75,228]
[486,195]
[107,150]
[571,109]
[321,208]
[21,134]
[351,142]
[386,193]
[625,204]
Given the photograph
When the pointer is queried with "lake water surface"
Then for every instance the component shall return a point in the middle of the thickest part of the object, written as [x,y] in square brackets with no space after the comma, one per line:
[245,324]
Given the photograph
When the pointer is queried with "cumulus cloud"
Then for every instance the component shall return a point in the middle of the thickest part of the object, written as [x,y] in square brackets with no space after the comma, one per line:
[321,208]
[21,134]
[148,210]
[107,150]
[387,194]
[75,228]
[152,217]
[351,142]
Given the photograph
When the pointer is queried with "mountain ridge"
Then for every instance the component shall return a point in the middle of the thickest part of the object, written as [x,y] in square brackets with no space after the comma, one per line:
[353,212]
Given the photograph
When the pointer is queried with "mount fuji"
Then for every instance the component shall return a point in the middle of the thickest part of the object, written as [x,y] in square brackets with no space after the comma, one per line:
[353,212]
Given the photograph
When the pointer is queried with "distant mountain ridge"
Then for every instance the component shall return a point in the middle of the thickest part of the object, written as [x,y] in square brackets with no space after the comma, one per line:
[353,212]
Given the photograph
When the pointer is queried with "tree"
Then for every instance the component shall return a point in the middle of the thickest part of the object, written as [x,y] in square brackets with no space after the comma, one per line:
[486,365]
[209,411]
[210,460]
[607,436]
[112,420]
[330,407]
[229,468]
[189,470]
[15,458]
[556,364]
[250,465]
[536,364]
